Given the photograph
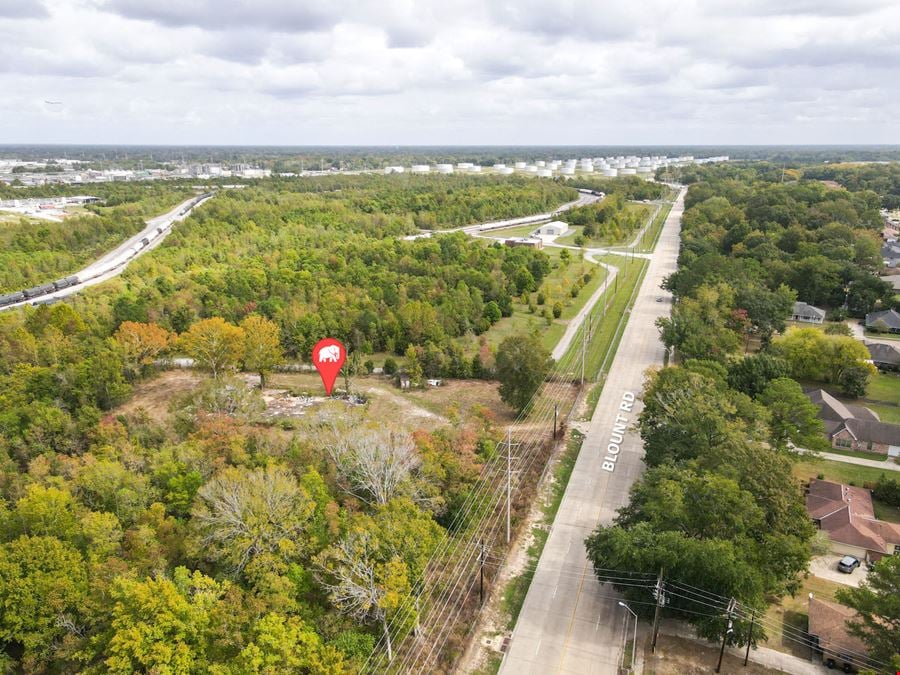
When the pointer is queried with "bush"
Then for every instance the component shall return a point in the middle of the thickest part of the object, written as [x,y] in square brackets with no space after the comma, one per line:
[887,490]
[369,366]
[390,366]
[557,310]
[579,240]
[541,298]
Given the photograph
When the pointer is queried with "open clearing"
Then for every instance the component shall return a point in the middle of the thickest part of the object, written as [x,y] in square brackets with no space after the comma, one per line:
[293,395]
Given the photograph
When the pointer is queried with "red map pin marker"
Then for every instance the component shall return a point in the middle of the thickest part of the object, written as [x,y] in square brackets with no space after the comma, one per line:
[328,356]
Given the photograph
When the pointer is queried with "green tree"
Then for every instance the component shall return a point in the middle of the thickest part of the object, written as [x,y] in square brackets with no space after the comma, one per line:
[522,366]
[41,581]
[877,600]
[281,644]
[161,625]
[214,344]
[262,346]
[794,418]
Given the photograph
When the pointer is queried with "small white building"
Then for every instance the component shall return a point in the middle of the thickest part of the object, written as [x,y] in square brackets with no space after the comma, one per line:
[555,228]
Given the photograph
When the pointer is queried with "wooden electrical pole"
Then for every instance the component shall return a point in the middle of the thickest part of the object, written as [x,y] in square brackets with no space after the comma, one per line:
[727,630]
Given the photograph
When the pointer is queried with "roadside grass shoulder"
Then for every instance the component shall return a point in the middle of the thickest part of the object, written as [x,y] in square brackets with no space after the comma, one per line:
[517,588]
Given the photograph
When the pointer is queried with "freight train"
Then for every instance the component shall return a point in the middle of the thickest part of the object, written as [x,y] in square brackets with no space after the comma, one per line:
[120,260]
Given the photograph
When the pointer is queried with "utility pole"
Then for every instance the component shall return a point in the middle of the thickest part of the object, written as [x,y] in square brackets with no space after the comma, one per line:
[660,601]
[481,576]
[750,637]
[728,629]
[583,345]
[555,418]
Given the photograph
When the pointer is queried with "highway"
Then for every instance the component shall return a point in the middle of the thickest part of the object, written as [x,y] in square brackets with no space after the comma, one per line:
[115,261]
[569,623]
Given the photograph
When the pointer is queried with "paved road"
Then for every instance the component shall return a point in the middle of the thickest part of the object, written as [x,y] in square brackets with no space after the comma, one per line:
[106,267]
[859,332]
[569,622]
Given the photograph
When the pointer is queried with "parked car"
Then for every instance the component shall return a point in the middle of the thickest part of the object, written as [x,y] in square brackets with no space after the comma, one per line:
[847,564]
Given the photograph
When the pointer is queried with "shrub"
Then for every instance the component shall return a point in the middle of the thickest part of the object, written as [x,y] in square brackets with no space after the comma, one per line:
[390,366]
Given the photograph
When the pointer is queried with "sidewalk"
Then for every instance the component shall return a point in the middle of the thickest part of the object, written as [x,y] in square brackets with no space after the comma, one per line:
[887,465]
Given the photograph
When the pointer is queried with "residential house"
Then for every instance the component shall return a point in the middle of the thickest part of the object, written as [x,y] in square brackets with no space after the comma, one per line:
[853,427]
[807,313]
[890,253]
[885,321]
[893,280]
[884,356]
[830,637]
[846,513]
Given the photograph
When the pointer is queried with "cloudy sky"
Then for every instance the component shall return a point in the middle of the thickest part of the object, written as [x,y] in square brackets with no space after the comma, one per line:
[449,71]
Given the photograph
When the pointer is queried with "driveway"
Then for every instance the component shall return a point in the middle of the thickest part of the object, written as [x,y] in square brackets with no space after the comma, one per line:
[825,567]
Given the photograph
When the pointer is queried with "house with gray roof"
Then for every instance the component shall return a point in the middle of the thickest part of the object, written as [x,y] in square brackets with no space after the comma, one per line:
[890,253]
[807,313]
[885,321]
[854,427]
[884,356]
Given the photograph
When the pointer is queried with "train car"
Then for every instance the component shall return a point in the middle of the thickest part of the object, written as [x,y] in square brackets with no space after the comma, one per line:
[38,290]
[65,282]
[45,301]
[145,242]
[11,298]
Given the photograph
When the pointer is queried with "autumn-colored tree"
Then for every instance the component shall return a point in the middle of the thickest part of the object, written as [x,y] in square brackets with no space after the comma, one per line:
[141,343]
[214,344]
[262,346]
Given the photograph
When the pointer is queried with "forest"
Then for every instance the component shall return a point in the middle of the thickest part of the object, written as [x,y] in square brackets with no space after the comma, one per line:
[221,542]
[35,252]
[718,507]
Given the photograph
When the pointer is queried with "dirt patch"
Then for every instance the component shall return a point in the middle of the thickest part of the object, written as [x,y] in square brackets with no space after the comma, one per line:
[292,395]
[154,395]
[678,656]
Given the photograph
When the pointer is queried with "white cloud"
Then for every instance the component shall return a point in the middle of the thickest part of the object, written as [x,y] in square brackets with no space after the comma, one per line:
[464,71]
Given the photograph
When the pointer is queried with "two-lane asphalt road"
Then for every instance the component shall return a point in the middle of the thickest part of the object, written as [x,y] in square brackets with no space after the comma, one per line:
[570,623]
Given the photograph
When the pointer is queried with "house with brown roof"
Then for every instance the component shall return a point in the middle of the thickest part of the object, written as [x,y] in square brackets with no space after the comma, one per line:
[847,514]
[830,636]
[855,427]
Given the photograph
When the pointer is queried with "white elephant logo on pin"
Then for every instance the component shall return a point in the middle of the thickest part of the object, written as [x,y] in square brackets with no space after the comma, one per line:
[329,354]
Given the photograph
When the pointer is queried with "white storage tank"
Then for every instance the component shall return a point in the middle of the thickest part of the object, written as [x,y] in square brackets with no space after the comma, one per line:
[540,164]
[393,169]
[475,169]
[506,171]
[627,171]
[645,169]
[519,165]
[499,167]
[444,168]
[611,173]
[544,173]
[530,168]
[464,165]
[567,170]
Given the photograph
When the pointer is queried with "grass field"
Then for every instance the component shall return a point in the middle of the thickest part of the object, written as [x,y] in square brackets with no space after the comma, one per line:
[510,232]
[643,209]
[556,287]
[608,313]
[651,236]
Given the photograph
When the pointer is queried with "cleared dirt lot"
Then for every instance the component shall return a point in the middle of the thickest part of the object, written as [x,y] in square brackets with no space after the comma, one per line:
[293,395]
